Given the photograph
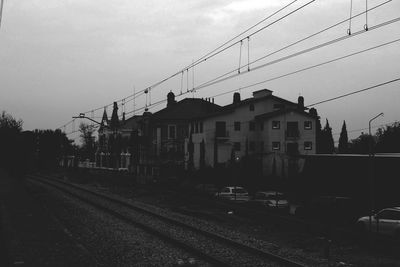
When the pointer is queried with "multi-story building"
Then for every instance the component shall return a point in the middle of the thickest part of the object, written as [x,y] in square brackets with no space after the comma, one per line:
[116,146]
[163,152]
[274,129]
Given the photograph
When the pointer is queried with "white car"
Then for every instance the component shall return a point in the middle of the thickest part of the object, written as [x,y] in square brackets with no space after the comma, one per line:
[271,199]
[233,193]
[385,222]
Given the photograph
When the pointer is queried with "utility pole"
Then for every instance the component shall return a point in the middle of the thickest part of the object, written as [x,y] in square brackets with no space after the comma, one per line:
[371,178]
[1,10]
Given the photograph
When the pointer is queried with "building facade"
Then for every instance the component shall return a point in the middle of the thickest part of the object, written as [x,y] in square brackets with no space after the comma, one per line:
[265,126]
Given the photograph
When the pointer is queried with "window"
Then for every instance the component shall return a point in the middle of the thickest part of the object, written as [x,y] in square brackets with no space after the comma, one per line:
[292,129]
[276,124]
[201,127]
[307,145]
[251,107]
[225,190]
[252,146]
[237,125]
[220,128]
[171,131]
[388,215]
[307,125]
[196,127]
[252,126]
[276,145]
[236,146]
[261,126]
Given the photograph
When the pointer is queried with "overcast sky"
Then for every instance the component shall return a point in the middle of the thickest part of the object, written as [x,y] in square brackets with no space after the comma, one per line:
[60,58]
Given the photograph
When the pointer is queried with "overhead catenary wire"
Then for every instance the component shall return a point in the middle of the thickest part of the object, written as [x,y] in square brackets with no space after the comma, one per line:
[223,77]
[301,70]
[331,99]
[303,39]
[366,16]
[351,12]
[137,94]
[309,67]
[1,11]
[355,92]
[245,31]
[219,51]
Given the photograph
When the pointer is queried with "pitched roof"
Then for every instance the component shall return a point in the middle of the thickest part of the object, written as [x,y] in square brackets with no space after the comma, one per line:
[231,107]
[187,108]
[131,122]
[283,111]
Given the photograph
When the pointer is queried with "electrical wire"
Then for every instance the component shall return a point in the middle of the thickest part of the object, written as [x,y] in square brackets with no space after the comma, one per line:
[355,92]
[223,78]
[309,67]
[211,54]
[1,10]
[240,34]
[140,93]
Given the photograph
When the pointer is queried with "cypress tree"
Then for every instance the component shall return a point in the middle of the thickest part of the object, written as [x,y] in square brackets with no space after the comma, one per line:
[343,140]
[318,131]
[329,144]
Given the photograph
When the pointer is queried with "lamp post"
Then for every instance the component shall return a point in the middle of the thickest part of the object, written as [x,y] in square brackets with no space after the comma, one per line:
[371,181]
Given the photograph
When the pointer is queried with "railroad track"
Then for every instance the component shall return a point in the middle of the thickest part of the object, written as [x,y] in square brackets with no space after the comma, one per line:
[208,246]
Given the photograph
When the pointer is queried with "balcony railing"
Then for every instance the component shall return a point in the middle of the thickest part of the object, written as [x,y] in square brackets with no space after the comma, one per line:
[292,134]
[222,134]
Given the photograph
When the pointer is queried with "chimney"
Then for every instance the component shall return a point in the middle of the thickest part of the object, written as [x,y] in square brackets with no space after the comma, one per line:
[236,98]
[170,99]
[300,102]
[262,93]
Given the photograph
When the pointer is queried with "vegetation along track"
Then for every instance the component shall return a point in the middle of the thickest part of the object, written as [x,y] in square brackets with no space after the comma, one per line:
[210,247]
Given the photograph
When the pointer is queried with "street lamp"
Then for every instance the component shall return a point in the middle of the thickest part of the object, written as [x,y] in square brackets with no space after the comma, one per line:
[369,127]
[371,181]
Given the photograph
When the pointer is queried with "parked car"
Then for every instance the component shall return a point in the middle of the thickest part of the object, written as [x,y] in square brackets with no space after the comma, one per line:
[385,222]
[233,193]
[271,199]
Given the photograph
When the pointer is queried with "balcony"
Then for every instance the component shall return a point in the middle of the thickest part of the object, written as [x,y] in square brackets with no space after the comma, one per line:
[292,134]
[222,135]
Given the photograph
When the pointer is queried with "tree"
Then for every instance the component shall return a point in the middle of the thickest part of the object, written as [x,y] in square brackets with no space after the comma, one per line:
[50,147]
[361,144]
[88,141]
[10,130]
[388,140]
[327,145]
[8,123]
[343,139]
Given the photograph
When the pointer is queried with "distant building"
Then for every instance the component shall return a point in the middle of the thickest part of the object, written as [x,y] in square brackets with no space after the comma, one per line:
[116,146]
[265,126]
[163,154]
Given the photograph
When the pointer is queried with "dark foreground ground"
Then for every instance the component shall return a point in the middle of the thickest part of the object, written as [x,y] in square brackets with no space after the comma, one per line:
[30,236]
[44,228]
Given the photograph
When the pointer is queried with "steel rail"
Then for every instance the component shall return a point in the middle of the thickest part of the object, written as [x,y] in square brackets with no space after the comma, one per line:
[252,250]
